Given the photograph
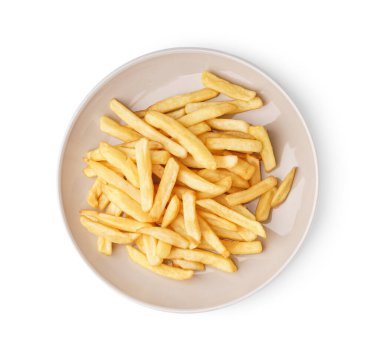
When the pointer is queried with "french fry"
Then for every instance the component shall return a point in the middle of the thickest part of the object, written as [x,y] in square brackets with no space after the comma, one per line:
[252,193]
[215,220]
[241,235]
[264,206]
[166,235]
[89,172]
[188,265]
[227,88]
[103,201]
[162,269]
[159,157]
[190,216]
[126,204]
[227,213]
[145,129]
[113,210]
[216,175]
[237,134]
[235,144]
[284,188]
[123,133]
[103,245]
[204,257]
[153,145]
[243,169]
[113,235]
[94,193]
[165,188]
[237,208]
[223,162]
[185,137]
[144,168]
[240,105]
[255,162]
[114,179]
[228,124]
[209,112]
[209,236]
[150,246]
[176,114]
[199,128]
[224,184]
[118,159]
[163,249]
[234,189]
[261,134]
[178,225]
[171,212]
[121,223]
[243,247]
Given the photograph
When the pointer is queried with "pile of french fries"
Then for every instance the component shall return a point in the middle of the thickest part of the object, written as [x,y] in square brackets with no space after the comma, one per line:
[173,191]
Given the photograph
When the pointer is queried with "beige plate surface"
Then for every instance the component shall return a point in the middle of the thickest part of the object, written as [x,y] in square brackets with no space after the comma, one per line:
[159,75]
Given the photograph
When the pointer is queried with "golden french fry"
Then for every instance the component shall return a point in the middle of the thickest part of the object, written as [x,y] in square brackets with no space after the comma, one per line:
[209,236]
[264,206]
[215,220]
[171,212]
[234,189]
[190,216]
[204,257]
[227,88]
[255,162]
[237,208]
[114,179]
[94,193]
[165,188]
[185,137]
[188,265]
[89,172]
[166,235]
[103,201]
[223,162]
[227,213]
[240,105]
[261,134]
[109,233]
[159,157]
[113,210]
[243,247]
[178,225]
[235,144]
[144,168]
[226,124]
[118,159]
[126,204]
[216,175]
[176,114]
[208,112]
[150,246]
[153,145]
[121,223]
[224,184]
[179,101]
[199,128]
[162,269]
[123,133]
[145,129]
[163,249]
[241,235]
[253,192]
[243,169]
[103,245]
[237,134]
[284,189]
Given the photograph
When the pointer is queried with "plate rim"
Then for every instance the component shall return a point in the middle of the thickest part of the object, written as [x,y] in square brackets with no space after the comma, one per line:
[113,74]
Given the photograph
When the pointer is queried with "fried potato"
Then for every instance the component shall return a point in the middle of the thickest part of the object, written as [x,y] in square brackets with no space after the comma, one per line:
[176,114]
[89,172]
[123,133]
[113,210]
[162,269]
[171,212]
[229,124]
[224,162]
[215,220]
[240,105]
[204,257]
[158,157]
[264,206]
[150,246]
[199,128]
[253,192]
[227,213]
[109,233]
[234,189]
[209,236]
[94,193]
[209,112]
[178,225]
[237,208]
[190,216]
[104,246]
[118,159]
[163,249]
[243,169]
[165,188]
[284,189]
[166,235]
[114,179]
[241,145]
[243,247]
[126,204]
[255,162]
[188,265]
[103,202]
[185,137]
[145,129]
[241,235]
[216,175]
[261,134]
[224,184]
[227,88]
[121,223]
[144,168]
[153,145]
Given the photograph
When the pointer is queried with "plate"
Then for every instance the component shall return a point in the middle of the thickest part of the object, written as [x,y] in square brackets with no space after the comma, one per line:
[161,74]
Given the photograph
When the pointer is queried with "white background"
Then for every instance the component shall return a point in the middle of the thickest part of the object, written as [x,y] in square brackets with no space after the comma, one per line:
[325,54]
